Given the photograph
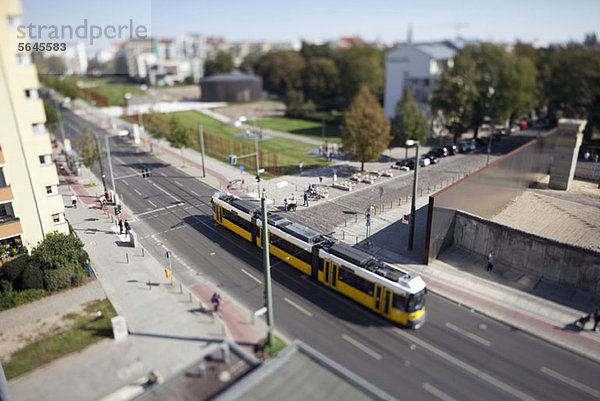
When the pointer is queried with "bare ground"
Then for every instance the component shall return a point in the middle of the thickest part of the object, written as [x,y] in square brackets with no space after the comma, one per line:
[259,110]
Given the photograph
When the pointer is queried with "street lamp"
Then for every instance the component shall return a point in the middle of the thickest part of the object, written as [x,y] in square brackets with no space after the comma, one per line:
[239,123]
[411,234]
[266,259]
[112,177]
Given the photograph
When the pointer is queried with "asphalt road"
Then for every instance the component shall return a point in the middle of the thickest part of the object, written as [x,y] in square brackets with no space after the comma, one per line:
[457,355]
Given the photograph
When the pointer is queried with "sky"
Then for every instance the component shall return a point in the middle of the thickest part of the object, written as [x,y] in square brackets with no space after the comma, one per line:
[545,21]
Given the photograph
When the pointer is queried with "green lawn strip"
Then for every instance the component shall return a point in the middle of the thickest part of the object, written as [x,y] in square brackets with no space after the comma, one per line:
[289,152]
[309,129]
[87,329]
[13,298]
[113,89]
[278,345]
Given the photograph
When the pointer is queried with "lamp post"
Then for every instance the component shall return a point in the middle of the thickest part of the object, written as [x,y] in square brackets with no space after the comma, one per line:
[267,261]
[112,177]
[240,121]
[411,234]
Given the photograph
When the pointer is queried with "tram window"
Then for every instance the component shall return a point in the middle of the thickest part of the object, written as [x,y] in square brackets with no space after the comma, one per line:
[237,220]
[321,264]
[348,277]
[399,302]
[290,248]
[416,302]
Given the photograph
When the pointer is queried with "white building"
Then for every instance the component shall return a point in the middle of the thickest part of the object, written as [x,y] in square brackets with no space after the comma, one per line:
[417,67]
[75,59]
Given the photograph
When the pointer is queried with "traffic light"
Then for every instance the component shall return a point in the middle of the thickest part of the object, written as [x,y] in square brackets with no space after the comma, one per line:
[257,178]
[233,160]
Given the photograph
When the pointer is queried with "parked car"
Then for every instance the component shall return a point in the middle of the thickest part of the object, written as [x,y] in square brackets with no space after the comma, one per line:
[465,147]
[439,152]
[423,162]
[432,158]
[401,165]
[452,149]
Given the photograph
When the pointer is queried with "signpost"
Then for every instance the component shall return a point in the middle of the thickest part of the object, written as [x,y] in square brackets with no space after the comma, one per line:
[168,272]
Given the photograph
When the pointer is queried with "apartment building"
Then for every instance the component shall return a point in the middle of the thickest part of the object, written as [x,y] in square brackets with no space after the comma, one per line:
[30,205]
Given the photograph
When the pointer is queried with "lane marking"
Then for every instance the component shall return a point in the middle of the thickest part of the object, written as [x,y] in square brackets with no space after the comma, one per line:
[178,183]
[580,386]
[437,392]
[361,347]
[300,308]
[152,203]
[465,366]
[467,334]
[137,192]
[251,276]
[194,192]
[162,209]
[125,182]
[167,193]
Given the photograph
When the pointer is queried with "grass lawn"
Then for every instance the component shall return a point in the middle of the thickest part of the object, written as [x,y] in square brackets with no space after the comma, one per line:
[113,88]
[87,329]
[289,153]
[278,345]
[306,128]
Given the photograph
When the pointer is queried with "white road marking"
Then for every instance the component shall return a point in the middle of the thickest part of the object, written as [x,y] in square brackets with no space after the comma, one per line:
[437,392]
[156,210]
[152,203]
[137,192]
[300,308]
[174,198]
[580,386]
[125,182]
[361,347]
[178,183]
[467,334]
[251,276]
[465,366]
[194,192]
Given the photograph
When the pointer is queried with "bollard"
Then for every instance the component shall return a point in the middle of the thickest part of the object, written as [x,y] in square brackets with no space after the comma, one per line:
[356,218]
[343,234]
[180,288]
[149,285]
[399,200]
[345,222]
[190,295]
[357,239]
[143,252]
[127,256]
[391,202]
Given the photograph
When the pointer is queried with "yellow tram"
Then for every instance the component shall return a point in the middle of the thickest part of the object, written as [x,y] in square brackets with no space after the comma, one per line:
[385,289]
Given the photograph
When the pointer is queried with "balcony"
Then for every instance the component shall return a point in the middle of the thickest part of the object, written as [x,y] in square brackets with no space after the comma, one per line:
[6,194]
[10,227]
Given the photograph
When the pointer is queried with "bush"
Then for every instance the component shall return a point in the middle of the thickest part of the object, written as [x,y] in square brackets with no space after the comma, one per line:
[55,280]
[5,286]
[14,270]
[14,298]
[33,276]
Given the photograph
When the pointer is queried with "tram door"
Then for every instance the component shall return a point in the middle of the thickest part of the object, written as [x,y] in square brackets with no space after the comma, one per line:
[383,300]
[329,276]
[324,275]
[219,212]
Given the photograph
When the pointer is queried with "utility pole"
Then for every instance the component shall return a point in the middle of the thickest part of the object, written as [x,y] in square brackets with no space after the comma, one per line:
[267,267]
[202,147]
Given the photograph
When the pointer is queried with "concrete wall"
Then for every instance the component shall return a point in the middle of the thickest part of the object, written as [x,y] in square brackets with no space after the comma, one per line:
[588,171]
[533,255]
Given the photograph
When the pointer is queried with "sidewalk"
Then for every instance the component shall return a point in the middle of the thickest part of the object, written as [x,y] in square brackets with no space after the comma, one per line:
[167,330]
[456,277]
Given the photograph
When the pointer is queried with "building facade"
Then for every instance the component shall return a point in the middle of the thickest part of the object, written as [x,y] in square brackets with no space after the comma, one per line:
[30,204]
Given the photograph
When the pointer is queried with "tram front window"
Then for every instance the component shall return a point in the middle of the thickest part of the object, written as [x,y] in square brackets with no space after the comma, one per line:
[416,302]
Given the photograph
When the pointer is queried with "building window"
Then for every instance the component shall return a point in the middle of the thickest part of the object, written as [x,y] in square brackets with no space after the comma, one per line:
[58,218]
[51,190]
[38,128]
[24,59]
[32,94]
[45,160]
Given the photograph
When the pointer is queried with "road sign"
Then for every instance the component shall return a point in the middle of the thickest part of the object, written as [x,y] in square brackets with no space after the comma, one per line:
[405,219]
[169,254]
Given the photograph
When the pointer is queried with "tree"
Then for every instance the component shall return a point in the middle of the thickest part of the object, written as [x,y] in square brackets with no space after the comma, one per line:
[321,80]
[87,149]
[358,66]
[366,133]
[180,136]
[409,122]
[250,62]
[281,71]
[61,252]
[222,63]
[51,116]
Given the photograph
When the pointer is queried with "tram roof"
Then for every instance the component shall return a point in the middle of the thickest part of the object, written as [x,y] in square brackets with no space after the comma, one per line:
[350,254]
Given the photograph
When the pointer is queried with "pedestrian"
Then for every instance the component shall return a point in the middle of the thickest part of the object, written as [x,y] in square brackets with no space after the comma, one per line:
[120,226]
[305,199]
[490,259]
[586,156]
[216,301]
[320,179]
[74,201]
[334,177]
[285,204]
[102,201]
[596,157]
[596,318]
[127,227]
[300,167]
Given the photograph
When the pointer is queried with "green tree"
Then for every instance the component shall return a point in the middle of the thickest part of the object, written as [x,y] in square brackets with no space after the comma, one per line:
[51,116]
[87,149]
[409,122]
[281,71]
[366,133]
[361,66]
[222,63]
[62,252]
[180,136]
[250,62]
[321,80]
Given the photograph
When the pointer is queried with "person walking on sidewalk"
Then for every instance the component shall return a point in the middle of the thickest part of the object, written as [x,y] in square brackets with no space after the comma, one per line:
[305,199]
[596,318]
[490,259]
[74,201]
[120,226]
[216,301]
[127,227]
